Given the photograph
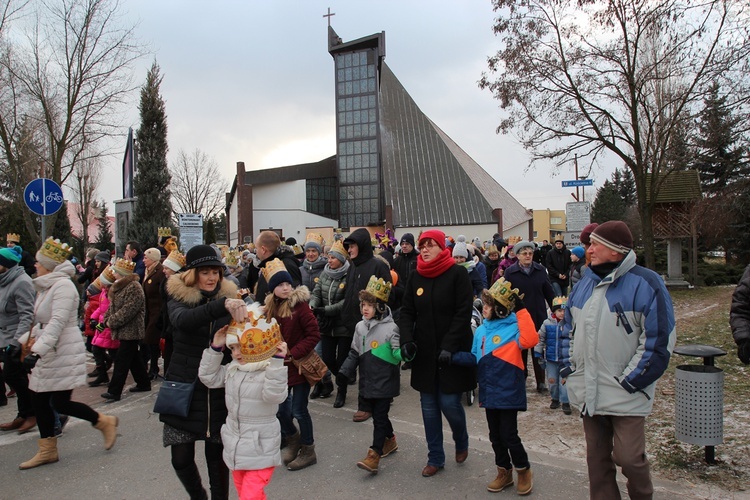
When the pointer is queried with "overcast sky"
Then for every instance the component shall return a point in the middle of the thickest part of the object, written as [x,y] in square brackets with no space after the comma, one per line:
[252,81]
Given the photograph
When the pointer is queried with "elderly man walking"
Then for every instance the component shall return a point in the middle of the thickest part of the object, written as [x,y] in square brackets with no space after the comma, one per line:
[621,325]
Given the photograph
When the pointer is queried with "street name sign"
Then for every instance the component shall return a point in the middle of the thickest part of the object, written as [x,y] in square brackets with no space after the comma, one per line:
[579,182]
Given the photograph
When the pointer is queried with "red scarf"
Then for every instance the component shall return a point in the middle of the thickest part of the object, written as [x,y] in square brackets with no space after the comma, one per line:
[436,266]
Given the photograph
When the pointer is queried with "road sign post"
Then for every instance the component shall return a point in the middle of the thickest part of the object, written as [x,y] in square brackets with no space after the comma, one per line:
[43,197]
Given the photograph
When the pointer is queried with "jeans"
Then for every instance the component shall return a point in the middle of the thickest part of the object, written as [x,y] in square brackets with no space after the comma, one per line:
[433,404]
[556,288]
[506,443]
[557,391]
[295,407]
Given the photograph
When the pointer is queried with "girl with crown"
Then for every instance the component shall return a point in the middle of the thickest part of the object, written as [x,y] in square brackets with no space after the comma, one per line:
[496,351]
[288,306]
[256,383]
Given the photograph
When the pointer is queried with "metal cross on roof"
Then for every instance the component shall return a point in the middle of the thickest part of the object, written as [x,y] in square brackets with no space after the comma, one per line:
[329,16]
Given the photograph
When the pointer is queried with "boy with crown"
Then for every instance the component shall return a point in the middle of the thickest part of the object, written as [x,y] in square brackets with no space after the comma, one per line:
[376,349]
[496,351]
[256,383]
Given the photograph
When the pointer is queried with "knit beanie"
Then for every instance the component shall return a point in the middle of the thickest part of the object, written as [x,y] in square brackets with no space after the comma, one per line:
[586,233]
[434,234]
[275,273]
[9,257]
[578,252]
[521,245]
[154,254]
[338,251]
[95,287]
[91,253]
[460,249]
[103,257]
[614,235]
[407,238]
[314,241]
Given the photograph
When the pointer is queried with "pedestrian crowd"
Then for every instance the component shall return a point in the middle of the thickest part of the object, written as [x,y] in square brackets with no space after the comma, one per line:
[254,333]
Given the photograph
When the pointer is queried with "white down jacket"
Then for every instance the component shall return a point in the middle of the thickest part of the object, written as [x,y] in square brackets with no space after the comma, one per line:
[252,434]
[62,362]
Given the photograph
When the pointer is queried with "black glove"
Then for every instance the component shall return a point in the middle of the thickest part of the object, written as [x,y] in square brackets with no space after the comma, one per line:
[93,323]
[743,351]
[408,351]
[444,358]
[12,352]
[342,380]
[30,361]
[519,303]
[319,311]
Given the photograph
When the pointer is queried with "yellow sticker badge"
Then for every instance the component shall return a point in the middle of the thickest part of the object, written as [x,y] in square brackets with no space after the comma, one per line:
[496,339]
[420,291]
[374,344]
[341,285]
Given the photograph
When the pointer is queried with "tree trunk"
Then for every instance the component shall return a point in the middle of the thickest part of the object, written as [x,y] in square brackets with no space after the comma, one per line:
[647,223]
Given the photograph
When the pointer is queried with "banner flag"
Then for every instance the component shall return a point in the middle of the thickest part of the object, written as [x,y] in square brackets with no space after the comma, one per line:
[128,167]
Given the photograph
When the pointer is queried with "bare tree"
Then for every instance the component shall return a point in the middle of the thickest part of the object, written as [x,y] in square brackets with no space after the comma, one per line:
[621,77]
[197,185]
[85,180]
[68,70]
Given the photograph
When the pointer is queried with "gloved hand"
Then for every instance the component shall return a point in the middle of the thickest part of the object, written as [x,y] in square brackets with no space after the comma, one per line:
[100,327]
[743,351]
[444,358]
[408,351]
[93,323]
[12,351]
[30,361]
[319,311]
[342,380]
[519,303]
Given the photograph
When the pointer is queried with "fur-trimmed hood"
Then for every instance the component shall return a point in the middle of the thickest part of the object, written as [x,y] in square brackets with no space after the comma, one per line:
[283,309]
[192,295]
[122,283]
[299,294]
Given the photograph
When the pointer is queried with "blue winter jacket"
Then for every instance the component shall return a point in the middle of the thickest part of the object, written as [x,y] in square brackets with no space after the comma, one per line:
[552,340]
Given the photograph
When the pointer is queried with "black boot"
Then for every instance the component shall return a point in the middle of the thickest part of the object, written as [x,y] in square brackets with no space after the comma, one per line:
[327,388]
[218,477]
[191,480]
[340,397]
[102,379]
[315,393]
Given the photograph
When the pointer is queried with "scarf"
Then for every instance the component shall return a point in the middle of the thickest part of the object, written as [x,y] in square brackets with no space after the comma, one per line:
[603,270]
[436,266]
[234,367]
[336,274]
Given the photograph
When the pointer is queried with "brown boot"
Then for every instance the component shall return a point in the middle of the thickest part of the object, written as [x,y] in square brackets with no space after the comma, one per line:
[525,483]
[305,458]
[291,450]
[13,425]
[504,478]
[27,425]
[47,454]
[371,461]
[389,446]
[107,424]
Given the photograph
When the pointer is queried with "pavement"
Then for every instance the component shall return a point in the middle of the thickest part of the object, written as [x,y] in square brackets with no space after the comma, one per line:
[139,466]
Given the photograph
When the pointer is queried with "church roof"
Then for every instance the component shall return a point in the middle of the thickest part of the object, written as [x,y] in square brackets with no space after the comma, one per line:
[428,179]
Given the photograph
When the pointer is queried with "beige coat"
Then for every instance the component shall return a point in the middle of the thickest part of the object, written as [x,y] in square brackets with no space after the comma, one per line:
[59,343]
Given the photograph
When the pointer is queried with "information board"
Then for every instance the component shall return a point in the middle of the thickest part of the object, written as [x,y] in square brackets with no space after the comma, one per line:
[577,215]
[191,230]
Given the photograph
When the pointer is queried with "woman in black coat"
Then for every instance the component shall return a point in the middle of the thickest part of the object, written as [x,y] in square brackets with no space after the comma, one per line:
[435,322]
[201,303]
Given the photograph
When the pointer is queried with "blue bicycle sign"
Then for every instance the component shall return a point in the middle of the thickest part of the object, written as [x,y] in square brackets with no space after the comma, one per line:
[43,196]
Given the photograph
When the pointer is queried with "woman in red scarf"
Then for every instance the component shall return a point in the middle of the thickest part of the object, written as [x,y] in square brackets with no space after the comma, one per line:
[435,322]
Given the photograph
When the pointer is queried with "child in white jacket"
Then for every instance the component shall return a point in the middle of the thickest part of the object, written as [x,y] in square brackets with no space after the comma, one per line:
[256,383]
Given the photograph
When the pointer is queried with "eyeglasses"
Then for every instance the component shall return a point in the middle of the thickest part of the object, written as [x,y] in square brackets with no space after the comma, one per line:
[428,244]
[528,252]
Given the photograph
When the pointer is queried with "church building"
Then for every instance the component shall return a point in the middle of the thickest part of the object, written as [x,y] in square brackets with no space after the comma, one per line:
[394,168]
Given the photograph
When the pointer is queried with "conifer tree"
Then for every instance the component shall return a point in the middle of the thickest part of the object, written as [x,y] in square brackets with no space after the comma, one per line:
[153,207]
[104,237]
[608,204]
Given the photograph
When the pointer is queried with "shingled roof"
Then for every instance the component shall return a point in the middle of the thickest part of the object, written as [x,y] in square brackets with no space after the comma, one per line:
[428,179]
[678,186]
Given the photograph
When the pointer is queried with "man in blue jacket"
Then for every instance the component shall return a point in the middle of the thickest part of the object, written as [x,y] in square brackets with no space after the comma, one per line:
[621,326]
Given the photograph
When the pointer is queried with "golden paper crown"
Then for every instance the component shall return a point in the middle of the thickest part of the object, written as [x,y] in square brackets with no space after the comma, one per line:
[124,267]
[108,276]
[256,336]
[272,268]
[315,238]
[512,240]
[502,292]
[164,231]
[59,252]
[560,302]
[338,247]
[559,237]
[97,284]
[176,257]
[232,259]
[378,287]
[13,237]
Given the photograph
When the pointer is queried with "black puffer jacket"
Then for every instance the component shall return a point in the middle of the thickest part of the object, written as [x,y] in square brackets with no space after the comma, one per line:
[195,317]
[558,263]
[363,266]
[739,314]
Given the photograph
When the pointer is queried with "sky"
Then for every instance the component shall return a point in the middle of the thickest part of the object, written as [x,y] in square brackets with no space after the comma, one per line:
[252,81]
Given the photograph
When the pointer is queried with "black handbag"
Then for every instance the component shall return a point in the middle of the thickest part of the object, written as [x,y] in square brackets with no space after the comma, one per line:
[174,398]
